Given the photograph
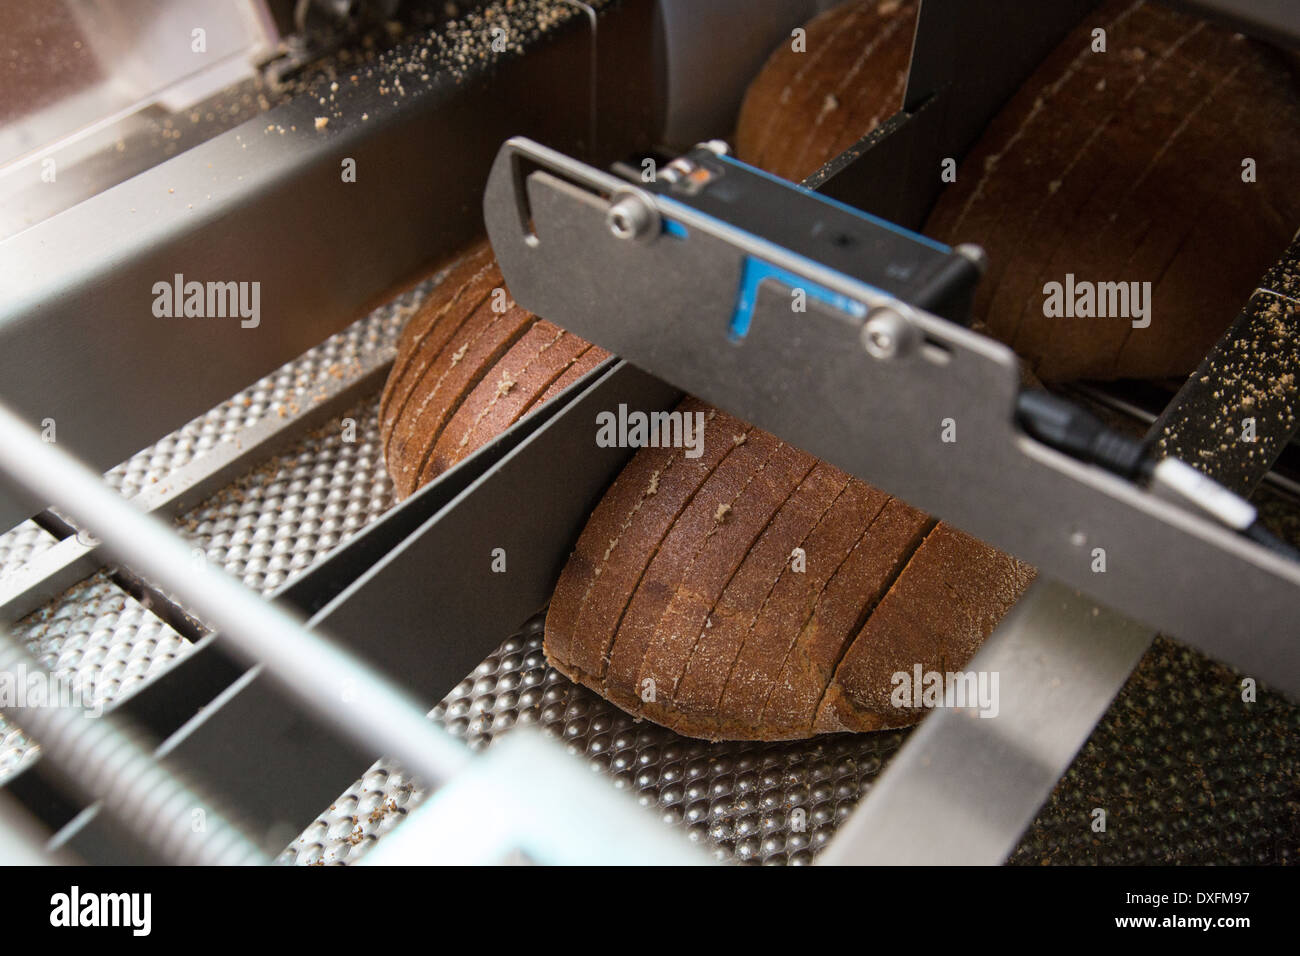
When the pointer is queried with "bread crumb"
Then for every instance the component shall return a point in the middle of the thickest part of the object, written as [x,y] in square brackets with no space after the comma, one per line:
[653,487]
[505,385]
[459,354]
[721,514]
[322,122]
[740,439]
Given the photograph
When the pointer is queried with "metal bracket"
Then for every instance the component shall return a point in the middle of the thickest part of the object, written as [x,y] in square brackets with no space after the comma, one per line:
[663,305]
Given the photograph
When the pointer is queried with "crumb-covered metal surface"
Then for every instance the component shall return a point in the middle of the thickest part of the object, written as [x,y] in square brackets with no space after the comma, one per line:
[1242,405]
[1186,771]
[21,543]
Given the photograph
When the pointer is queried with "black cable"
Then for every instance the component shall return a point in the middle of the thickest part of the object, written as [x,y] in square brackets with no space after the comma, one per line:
[1075,430]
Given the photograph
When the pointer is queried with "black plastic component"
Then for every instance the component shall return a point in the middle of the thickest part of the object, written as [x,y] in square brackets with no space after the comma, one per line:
[1069,428]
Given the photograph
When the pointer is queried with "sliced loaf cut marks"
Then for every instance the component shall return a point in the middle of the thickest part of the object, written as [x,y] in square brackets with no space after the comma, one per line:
[622,538]
[792,602]
[691,529]
[948,599]
[512,385]
[726,545]
[703,676]
[584,363]
[458,297]
[839,614]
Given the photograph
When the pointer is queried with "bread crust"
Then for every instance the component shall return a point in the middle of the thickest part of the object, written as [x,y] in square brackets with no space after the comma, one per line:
[805,108]
[506,392]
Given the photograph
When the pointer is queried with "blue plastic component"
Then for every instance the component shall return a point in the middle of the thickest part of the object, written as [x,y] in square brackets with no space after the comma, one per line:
[756,270]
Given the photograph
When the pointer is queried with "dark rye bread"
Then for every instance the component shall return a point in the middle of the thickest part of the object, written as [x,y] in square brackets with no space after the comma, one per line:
[621,539]
[1127,166]
[469,365]
[696,683]
[1123,166]
[506,392]
[805,108]
[702,548]
[681,602]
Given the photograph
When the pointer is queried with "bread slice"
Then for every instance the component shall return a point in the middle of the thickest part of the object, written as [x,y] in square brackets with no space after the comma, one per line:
[780,621]
[946,601]
[621,539]
[696,673]
[506,392]
[583,364]
[730,531]
[456,298]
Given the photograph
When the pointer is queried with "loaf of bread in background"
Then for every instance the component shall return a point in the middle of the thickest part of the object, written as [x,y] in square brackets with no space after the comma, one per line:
[1127,166]
[756,593]
[805,108]
[469,365]
[1122,166]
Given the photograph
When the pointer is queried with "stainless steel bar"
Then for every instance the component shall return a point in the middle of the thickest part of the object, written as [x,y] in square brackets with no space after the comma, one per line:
[105,760]
[74,558]
[963,788]
[333,683]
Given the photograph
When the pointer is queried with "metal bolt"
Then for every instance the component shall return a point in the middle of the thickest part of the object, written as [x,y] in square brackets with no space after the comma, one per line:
[631,217]
[975,254]
[717,147]
[888,334]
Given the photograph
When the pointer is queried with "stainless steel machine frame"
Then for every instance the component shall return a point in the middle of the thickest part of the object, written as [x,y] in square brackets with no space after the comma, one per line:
[225,715]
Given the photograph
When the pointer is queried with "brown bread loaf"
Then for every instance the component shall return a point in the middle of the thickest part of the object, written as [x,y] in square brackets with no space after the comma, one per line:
[689,609]
[1126,166]
[469,365]
[806,107]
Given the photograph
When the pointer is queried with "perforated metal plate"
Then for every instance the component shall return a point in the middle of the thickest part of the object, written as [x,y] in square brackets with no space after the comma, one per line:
[769,803]
[98,638]
[280,519]
[22,543]
[1186,771]
[287,391]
